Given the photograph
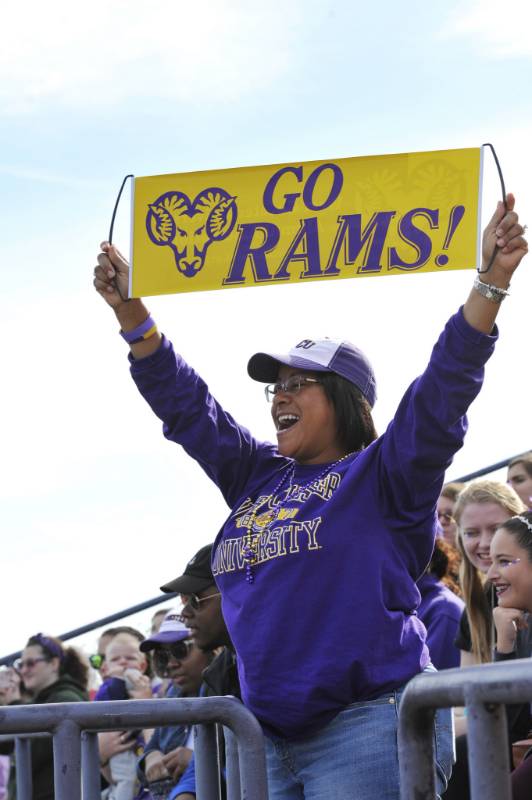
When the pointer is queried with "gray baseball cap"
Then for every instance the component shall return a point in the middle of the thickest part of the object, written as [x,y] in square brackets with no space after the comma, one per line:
[319,355]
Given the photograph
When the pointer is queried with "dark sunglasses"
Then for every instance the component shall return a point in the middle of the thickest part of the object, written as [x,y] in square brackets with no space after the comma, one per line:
[194,602]
[96,660]
[177,651]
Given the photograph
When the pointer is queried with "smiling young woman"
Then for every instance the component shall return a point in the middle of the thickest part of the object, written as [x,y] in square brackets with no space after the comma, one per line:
[329,529]
[480,508]
[511,574]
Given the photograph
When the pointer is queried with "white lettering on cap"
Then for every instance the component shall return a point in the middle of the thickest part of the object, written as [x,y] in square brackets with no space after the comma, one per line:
[321,351]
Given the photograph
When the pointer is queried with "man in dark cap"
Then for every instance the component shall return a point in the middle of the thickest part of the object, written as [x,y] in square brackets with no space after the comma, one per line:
[202,611]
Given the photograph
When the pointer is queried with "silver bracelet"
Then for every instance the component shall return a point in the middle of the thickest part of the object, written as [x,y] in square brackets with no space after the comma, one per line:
[490,292]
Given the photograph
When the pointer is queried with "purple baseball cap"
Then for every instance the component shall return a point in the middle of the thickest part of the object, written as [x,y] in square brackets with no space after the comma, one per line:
[319,355]
[171,630]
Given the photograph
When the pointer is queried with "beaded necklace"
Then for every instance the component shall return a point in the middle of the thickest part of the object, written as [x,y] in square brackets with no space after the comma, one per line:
[251,544]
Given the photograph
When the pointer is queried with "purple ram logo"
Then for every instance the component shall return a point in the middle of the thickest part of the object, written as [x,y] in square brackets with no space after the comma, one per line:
[188,228]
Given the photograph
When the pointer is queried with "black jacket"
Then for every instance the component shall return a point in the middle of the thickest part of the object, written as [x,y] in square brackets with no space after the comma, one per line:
[221,676]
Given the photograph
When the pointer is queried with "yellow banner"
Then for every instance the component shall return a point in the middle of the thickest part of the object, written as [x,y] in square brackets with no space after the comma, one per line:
[347,218]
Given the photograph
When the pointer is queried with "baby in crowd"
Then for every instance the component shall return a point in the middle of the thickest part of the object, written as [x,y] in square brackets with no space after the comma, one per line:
[125,678]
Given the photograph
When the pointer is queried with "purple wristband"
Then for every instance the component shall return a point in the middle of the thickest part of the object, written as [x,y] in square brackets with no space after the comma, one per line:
[141,332]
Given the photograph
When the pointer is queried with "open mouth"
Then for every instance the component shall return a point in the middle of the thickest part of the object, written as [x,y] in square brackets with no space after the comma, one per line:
[286,421]
[501,588]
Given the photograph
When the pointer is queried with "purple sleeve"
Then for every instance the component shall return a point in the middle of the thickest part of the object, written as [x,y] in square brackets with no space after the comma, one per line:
[191,417]
[440,640]
[430,423]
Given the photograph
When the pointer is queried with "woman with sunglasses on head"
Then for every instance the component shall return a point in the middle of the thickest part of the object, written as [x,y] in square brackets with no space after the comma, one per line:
[174,657]
[445,509]
[51,673]
[511,575]
[329,529]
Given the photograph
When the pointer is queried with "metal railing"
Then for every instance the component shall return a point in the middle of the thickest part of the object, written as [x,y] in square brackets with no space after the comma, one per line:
[74,728]
[484,691]
[471,476]
[100,623]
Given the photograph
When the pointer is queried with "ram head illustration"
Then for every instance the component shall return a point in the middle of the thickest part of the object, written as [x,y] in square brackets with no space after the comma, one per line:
[188,228]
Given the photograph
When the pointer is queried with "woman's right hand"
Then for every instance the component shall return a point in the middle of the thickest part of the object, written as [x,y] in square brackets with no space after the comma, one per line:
[507,622]
[112,271]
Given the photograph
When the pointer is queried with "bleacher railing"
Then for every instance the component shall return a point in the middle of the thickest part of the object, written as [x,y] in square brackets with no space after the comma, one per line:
[483,690]
[74,728]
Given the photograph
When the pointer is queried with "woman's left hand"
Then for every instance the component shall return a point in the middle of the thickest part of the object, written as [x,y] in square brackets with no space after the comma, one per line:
[504,232]
[176,761]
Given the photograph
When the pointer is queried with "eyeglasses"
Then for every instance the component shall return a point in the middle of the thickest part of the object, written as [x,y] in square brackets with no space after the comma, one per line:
[193,601]
[28,663]
[96,660]
[446,515]
[176,651]
[290,386]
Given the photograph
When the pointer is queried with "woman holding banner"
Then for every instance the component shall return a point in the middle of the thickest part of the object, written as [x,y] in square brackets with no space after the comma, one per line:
[330,529]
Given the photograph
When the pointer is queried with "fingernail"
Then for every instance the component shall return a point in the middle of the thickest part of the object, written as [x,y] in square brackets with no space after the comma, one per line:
[499,231]
[110,273]
[500,242]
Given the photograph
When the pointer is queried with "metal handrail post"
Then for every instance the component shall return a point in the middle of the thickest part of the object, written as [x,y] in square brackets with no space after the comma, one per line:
[23,762]
[251,750]
[90,766]
[67,761]
[232,765]
[206,762]
[487,750]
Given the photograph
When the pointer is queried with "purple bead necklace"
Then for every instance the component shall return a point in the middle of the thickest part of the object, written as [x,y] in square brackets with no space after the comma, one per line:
[250,547]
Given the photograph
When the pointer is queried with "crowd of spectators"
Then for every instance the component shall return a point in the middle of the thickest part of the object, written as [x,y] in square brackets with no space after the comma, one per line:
[474,607]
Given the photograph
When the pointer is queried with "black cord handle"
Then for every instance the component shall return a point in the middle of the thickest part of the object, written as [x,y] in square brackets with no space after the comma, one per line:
[503,188]
[111,229]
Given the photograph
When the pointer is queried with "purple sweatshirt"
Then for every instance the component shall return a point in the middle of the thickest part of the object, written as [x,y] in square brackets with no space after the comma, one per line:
[440,612]
[330,618]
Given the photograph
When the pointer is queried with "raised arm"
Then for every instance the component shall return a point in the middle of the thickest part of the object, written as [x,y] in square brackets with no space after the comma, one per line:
[191,416]
[113,270]
[430,423]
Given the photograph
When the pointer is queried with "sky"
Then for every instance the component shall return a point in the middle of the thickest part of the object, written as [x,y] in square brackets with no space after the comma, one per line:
[97,510]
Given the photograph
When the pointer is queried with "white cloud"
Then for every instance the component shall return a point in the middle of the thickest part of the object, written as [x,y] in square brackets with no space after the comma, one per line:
[498,31]
[100,53]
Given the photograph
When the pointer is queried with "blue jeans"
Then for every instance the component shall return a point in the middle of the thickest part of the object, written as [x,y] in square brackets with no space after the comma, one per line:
[354,757]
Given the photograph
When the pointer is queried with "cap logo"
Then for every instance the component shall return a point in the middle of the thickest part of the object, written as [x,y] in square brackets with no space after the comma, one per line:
[306,344]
